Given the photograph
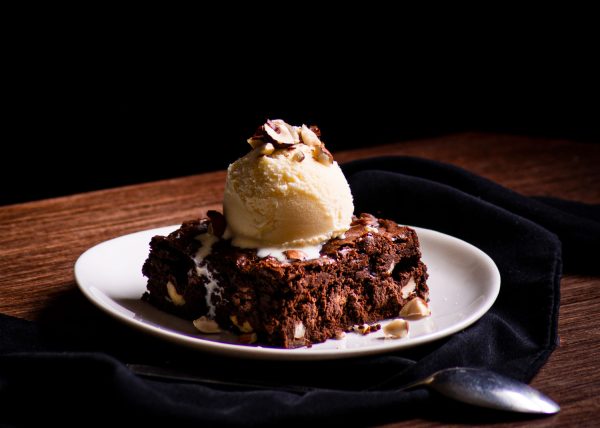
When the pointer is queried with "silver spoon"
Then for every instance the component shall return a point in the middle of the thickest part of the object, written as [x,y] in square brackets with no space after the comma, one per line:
[473,386]
[487,389]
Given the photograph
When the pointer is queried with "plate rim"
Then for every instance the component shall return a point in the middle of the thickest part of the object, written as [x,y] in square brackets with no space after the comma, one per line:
[298,354]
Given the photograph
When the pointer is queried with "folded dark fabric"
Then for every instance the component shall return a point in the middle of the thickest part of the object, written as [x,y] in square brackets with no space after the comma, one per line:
[576,224]
[72,363]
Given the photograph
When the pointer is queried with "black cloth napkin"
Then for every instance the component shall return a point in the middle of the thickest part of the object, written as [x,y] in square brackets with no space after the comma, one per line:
[69,366]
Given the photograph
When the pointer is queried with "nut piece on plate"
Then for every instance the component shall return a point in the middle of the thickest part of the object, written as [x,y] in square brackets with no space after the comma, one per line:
[416,308]
[339,335]
[362,328]
[396,329]
[366,328]
[205,325]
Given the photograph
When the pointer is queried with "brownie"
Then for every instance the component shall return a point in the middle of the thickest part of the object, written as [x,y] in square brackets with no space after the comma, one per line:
[367,275]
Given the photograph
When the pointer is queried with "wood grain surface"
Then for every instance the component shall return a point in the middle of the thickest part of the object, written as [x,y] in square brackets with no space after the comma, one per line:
[40,242]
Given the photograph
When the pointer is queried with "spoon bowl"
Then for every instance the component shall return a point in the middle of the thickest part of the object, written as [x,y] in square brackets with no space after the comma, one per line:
[487,389]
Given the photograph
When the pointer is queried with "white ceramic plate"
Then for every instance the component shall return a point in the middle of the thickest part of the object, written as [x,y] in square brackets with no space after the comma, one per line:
[463,281]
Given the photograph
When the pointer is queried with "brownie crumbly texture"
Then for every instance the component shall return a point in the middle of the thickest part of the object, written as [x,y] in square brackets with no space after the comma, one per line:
[365,276]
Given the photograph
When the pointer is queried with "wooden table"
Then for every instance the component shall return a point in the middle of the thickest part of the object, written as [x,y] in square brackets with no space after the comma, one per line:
[40,241]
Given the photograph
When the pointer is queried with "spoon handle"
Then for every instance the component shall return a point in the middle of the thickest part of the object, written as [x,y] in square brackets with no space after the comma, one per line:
[165,374]
[473,386]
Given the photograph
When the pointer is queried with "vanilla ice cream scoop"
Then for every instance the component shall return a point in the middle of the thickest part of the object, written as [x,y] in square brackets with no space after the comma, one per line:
[288,192]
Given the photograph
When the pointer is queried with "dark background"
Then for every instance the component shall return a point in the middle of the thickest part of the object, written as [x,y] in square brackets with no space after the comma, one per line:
[106,111]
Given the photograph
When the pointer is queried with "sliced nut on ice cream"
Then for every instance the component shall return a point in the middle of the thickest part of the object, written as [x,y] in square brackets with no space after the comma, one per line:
[309,137]
[321,154]
[280,133]
[396,329]
[294,130]
[205,325]
[267,149]
[277,132]
[299,156]
[416,308]
[256,141]
[259,138]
